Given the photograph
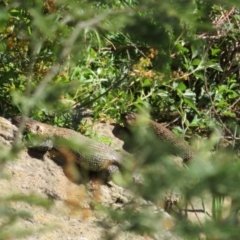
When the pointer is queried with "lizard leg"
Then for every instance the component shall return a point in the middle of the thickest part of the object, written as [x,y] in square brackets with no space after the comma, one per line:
[113,169]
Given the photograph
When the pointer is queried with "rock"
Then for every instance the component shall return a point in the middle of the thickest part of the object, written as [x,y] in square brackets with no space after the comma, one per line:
[72,215]
[7,132]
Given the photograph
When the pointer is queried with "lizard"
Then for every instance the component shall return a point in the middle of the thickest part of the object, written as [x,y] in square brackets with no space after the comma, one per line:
[131,119]
[90,154]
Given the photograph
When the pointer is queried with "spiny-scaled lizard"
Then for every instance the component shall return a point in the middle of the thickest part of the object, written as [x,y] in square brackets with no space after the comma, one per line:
[88,153]
[131,119]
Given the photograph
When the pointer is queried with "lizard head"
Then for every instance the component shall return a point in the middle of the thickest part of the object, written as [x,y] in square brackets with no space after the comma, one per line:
[131,119]
[30,125]
[128,118]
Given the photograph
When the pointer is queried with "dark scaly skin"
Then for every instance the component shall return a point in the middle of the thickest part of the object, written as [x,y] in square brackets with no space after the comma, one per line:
[90,154]
[130,119]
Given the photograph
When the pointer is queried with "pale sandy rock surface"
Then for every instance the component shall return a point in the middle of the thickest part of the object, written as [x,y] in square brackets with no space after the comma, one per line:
[72,215]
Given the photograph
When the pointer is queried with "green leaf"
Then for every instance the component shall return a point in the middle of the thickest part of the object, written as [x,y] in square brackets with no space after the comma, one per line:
[181,86]
[196,121]
[191,104]
[196,62]
[216,66]
[229,113]
[194,52]
[215,51]
[162,93]
[147,82]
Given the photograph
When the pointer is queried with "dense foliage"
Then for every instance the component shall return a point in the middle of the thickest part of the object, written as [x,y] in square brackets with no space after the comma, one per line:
[176,59]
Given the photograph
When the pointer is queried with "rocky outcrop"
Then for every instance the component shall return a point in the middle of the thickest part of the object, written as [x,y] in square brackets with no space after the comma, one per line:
[72,215]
